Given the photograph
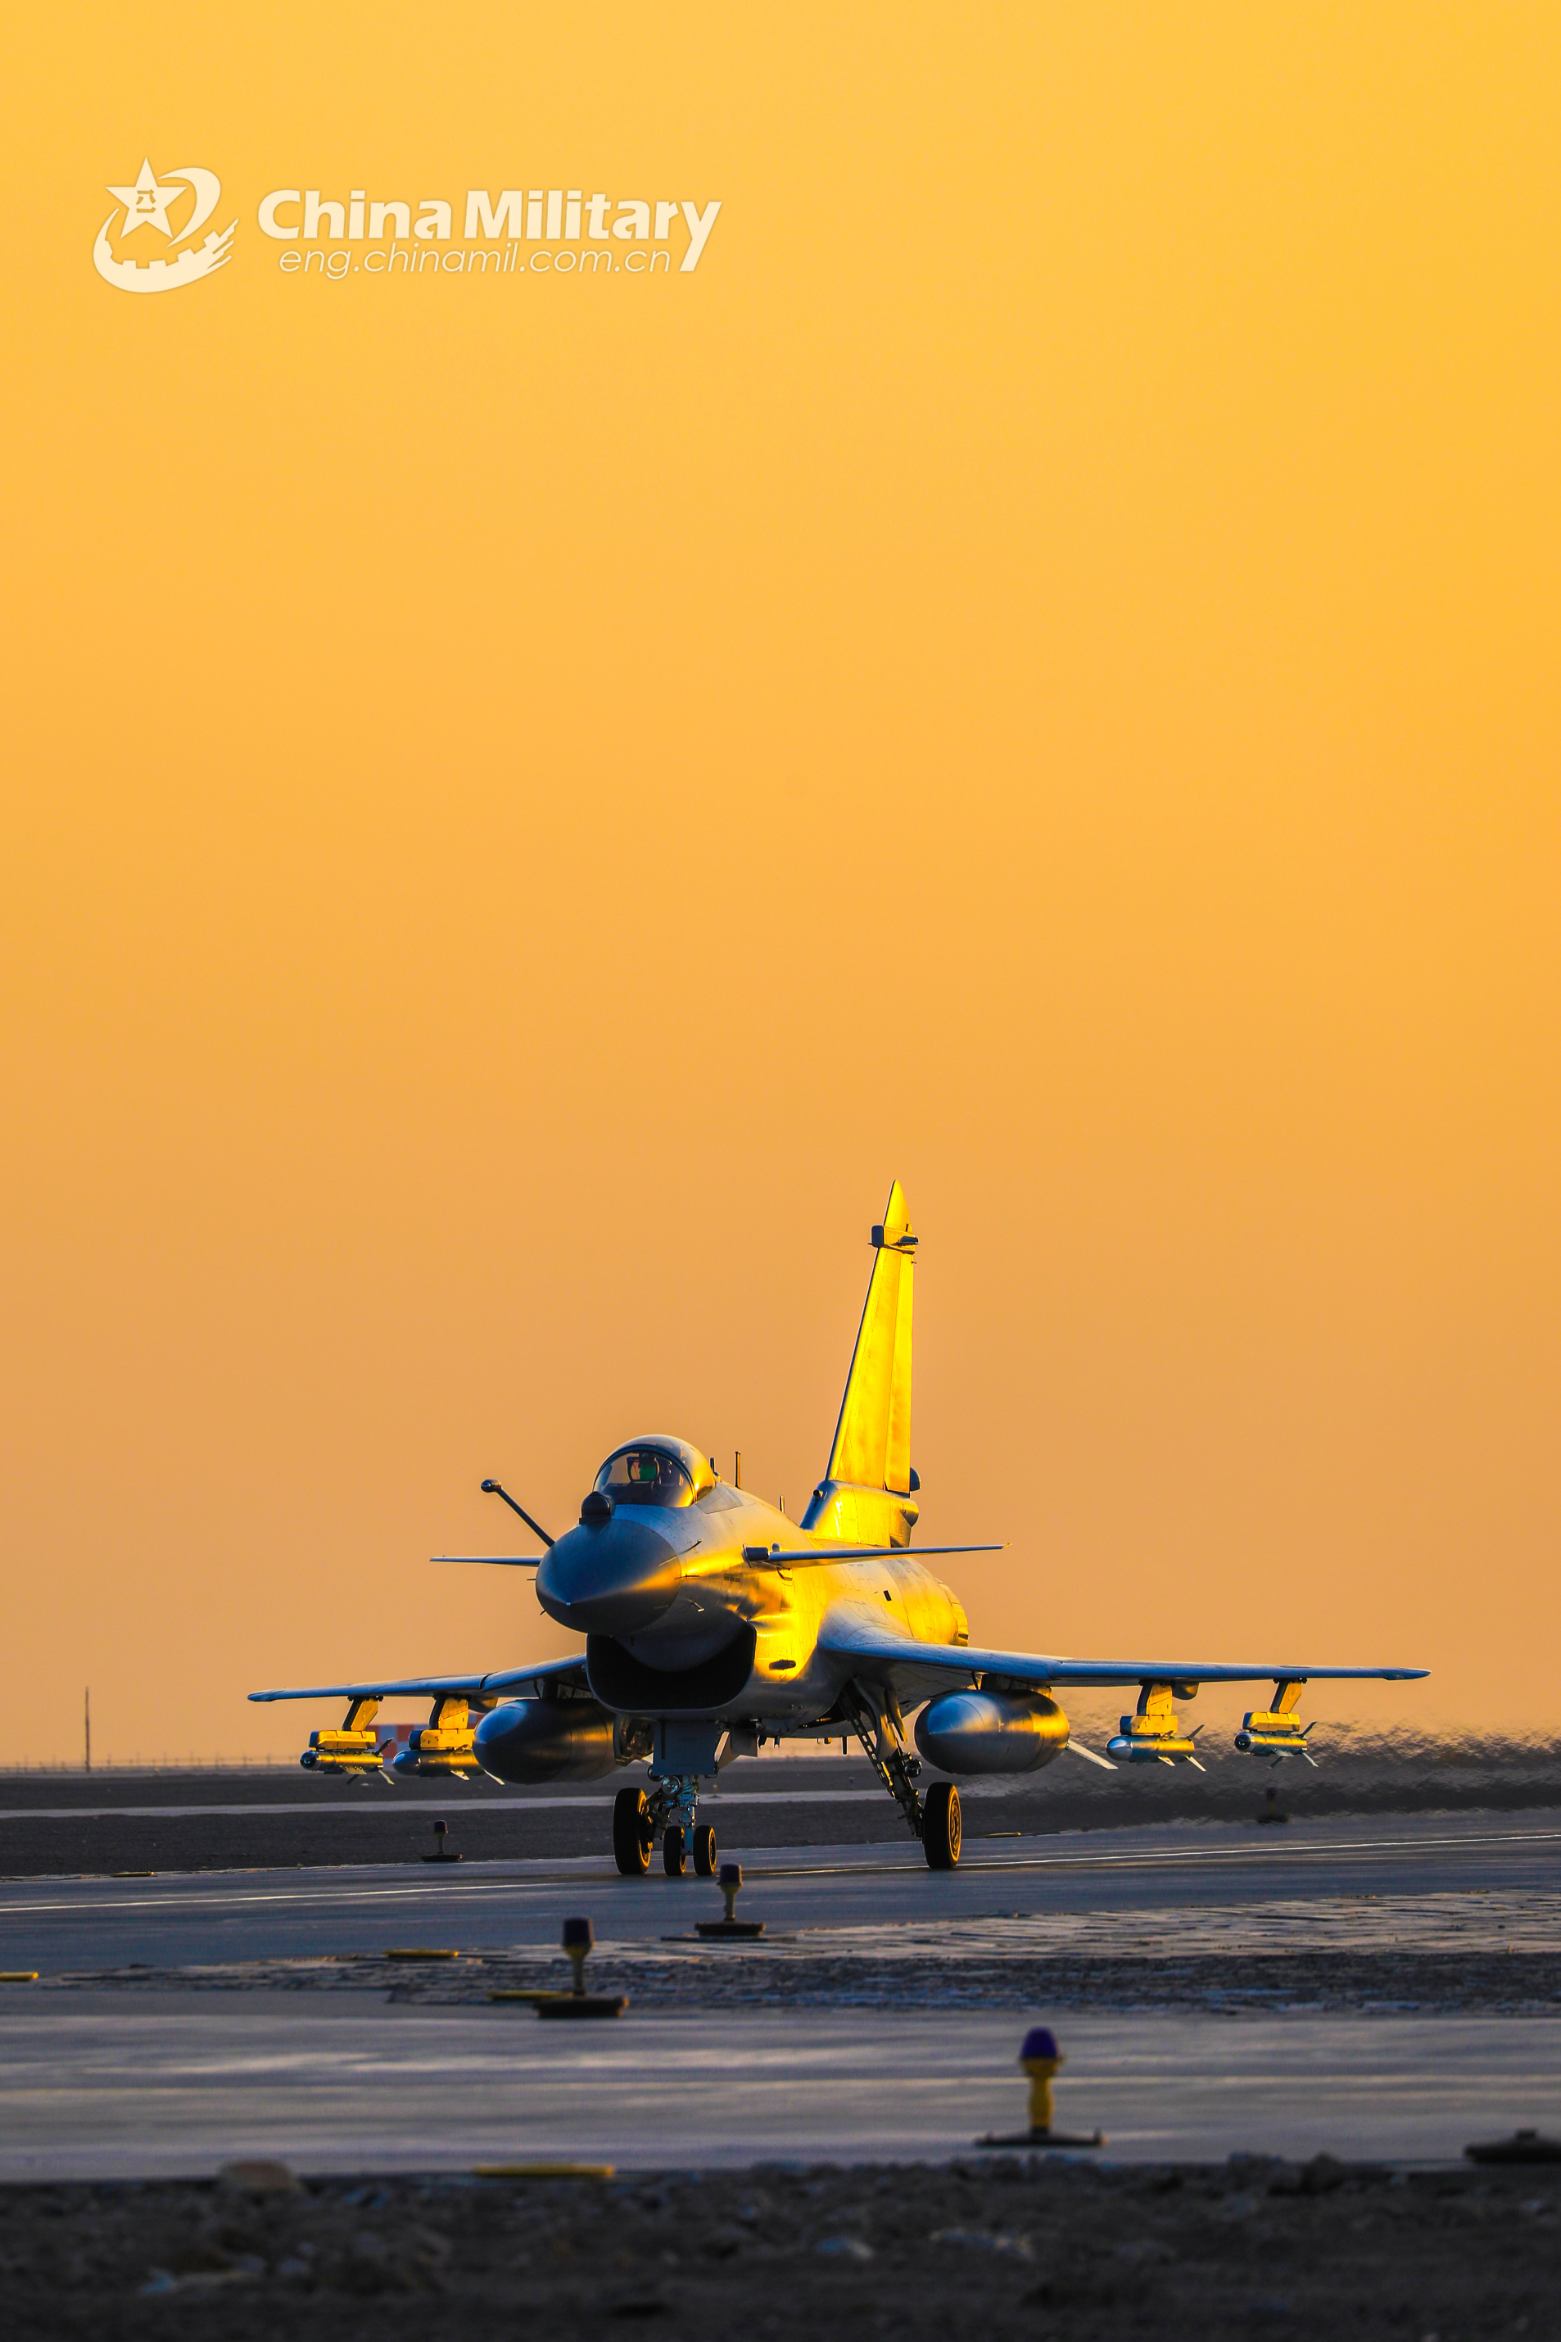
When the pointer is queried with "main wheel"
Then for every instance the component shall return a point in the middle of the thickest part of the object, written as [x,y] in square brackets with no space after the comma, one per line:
[942,1830]
[673,1852]
[631,1832]
[704,1850]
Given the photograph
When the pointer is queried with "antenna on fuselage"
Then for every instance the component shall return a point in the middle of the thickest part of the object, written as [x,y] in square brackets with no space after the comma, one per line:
[737,1468]
[497,1488]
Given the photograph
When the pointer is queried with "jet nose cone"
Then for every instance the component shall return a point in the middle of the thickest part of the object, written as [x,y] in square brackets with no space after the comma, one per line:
[611,1580]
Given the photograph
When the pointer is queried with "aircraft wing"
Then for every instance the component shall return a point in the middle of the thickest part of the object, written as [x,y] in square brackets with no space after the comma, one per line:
[815,1556]
[492,1560]
[865,1640]
[507,1683]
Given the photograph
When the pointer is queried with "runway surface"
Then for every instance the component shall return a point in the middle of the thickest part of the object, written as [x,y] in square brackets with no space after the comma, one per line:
[880,2018]
[57,1823]
[172,1921]
[175,2084]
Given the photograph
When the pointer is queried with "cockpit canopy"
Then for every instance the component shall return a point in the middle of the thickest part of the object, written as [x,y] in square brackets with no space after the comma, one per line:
[655,1470]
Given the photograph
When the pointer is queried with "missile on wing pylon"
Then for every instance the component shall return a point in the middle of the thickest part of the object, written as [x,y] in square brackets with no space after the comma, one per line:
[1152,1735]
[433,1751]
[1134,1746]
[1277,1731]
[444,1743]
[1267,1732]
[353,1749]
[342,1752]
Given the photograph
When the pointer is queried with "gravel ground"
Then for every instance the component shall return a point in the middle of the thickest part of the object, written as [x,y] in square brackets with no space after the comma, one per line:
[1496,1953]
[1428,1984]
[1003,2247]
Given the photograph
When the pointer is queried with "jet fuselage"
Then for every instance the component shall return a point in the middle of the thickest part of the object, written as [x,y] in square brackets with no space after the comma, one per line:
[670,1586]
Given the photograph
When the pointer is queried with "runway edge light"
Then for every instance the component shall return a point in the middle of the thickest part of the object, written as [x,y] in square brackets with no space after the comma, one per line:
[1040,2059]
[579,1940]
[729,1929]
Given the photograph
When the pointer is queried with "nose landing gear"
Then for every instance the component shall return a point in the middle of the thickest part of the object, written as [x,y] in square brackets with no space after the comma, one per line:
[679,1843]
[685,1758]
[637,1819]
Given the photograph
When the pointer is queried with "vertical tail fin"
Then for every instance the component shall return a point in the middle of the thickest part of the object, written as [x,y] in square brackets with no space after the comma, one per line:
[867,1494]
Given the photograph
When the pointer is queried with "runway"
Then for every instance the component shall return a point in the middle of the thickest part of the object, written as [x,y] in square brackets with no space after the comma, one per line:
[176,2084]
[71,1925]
[57,1823]
[1217,1987]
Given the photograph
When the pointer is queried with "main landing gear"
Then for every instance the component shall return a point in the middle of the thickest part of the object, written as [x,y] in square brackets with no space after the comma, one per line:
[935,1819]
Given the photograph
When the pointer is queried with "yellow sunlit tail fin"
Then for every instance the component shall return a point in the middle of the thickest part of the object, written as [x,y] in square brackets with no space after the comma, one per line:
[867,1492]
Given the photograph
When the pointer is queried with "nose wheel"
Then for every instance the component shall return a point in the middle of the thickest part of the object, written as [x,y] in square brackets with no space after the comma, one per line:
[631,1832]
[679,1845]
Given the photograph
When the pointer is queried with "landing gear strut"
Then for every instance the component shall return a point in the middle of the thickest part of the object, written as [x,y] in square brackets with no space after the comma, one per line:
[935,1820]
[668,1811]
[685,1757]
[679,1844]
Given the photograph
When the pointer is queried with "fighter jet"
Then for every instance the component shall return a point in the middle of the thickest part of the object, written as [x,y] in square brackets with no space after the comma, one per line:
[710,1623]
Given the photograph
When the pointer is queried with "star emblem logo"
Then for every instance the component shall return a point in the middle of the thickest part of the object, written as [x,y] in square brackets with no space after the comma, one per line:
[146,203]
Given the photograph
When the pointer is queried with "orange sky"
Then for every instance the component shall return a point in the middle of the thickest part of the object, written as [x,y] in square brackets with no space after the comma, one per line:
[529,800]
